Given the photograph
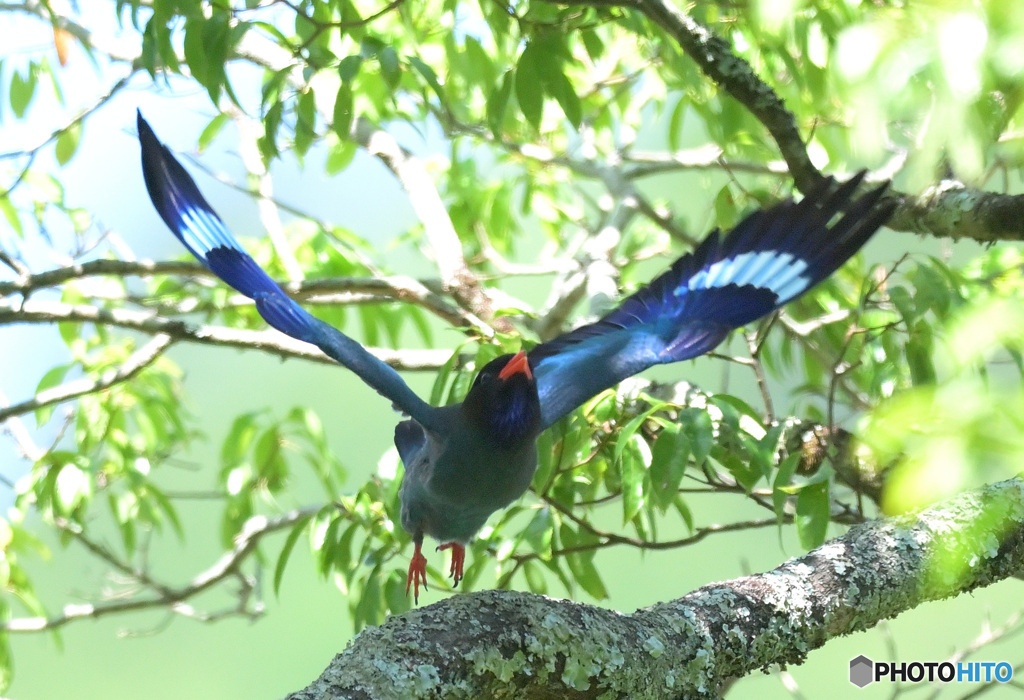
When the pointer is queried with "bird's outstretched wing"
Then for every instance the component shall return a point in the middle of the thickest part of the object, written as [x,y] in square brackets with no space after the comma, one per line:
[771,257]
[193,221]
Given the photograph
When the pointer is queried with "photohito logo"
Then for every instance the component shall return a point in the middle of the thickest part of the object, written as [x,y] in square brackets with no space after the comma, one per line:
[864,671]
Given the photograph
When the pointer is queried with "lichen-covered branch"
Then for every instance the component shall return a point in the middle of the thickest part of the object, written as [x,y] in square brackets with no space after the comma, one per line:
[954,210]
[517,645]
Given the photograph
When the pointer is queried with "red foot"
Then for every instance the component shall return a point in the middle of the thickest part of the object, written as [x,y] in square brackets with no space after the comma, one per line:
[458,560]
[417,570]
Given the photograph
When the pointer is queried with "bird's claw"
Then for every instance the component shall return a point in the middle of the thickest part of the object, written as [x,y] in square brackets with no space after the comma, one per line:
[417,572]
[458,560]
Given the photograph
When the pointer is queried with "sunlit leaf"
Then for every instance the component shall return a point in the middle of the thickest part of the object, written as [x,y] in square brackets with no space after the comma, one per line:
[812,514]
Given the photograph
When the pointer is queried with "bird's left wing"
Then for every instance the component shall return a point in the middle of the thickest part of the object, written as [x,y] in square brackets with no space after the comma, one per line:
[185,211]
[771,257]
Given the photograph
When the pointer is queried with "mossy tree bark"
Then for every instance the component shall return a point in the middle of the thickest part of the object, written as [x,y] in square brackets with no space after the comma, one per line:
[506,644]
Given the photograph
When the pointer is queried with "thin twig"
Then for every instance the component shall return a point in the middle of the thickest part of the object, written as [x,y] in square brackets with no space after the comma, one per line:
[254,530]
[138,361]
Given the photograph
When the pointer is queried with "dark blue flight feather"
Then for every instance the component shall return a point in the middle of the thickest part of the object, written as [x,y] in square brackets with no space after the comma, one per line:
[187,213]
[771,257]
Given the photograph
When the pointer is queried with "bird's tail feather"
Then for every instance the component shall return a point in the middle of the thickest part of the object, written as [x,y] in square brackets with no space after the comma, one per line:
[191,218]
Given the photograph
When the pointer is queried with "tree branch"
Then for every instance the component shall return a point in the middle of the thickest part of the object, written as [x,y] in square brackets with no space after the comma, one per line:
[249,132]
[954,210]
[949,209]
[456,277]
[273,342]
[397,287]
[255,529]
[530,646]
[138,361]
[715,57]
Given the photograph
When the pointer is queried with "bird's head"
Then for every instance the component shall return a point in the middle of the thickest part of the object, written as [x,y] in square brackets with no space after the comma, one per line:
[503,402]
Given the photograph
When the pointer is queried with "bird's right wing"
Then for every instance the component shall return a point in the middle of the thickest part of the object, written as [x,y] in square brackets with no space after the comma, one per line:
[771,257]
[185,211]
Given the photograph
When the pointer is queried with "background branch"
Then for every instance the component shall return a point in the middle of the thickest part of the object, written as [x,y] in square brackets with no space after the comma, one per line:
[139,360]
[269,341]
[166,596]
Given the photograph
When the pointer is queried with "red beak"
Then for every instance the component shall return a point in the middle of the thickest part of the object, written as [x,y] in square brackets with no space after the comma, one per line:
[517,364]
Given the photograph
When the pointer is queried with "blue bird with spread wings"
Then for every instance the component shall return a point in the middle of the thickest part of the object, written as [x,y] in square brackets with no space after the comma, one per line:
[465,461]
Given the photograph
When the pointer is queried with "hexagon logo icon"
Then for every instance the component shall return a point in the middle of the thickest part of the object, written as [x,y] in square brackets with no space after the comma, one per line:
[861,671]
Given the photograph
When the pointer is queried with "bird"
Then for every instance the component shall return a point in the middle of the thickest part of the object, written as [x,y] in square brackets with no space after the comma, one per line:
[464,461]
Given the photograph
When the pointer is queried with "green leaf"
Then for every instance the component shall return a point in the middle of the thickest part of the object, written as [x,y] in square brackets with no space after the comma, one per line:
[669,457]
[369,608]
[676,121]
[11,214]
[286,551]
[479,64]
[339,157]
[349,67]
[812,514]
[305,122]
[783,478]
[919,353]
[725,207]
[684,511]
[150,46]
[593,43]
[69,332]
[167,508]
[395,597]
[560,87]
[22,90]
[497,103]
[581,563]
[441,379]
[67,143]
[903,302]
[6,658]
[216,37]
[633,474]
[212,129]
[701,432]
[724,401]
[342,120]
[538,534]
[546,454]
[239,438]
[268,460]
[195,50]
[271,124]
[529,89]
[51,379]
[428,74]
[627,431]
[744,473]
[535,579]
[390,67]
